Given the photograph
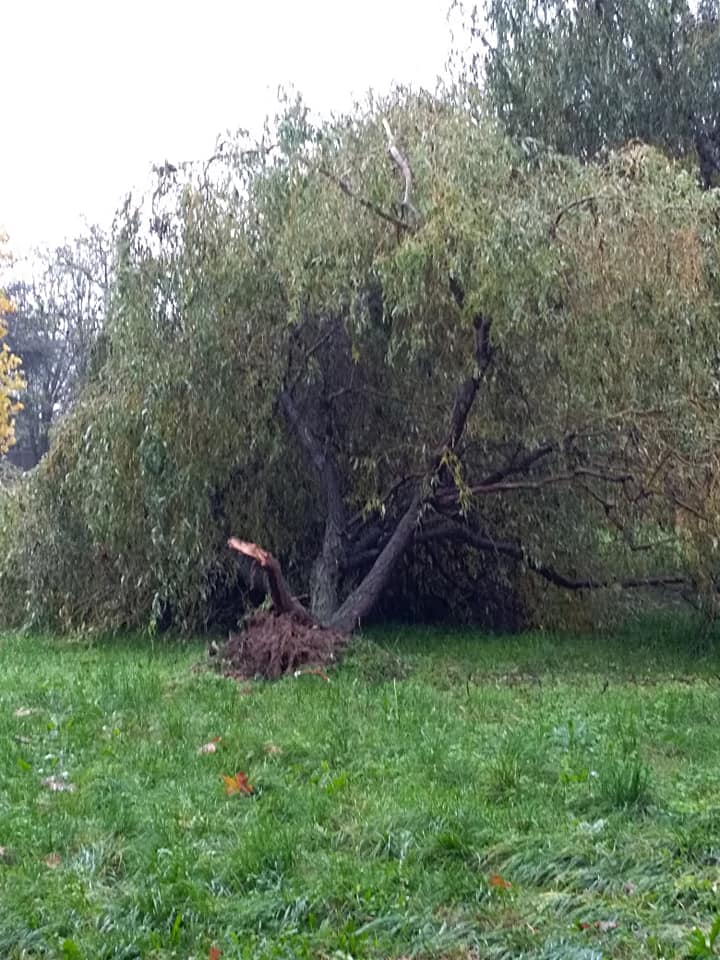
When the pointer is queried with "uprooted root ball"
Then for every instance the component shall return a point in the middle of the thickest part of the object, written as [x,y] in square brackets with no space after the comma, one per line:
[271,645]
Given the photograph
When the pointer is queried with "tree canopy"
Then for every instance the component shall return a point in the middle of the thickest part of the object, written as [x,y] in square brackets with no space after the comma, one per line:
[394,338]
[588,76]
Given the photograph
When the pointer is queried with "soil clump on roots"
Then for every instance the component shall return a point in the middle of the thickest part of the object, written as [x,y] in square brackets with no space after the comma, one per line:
[271,645]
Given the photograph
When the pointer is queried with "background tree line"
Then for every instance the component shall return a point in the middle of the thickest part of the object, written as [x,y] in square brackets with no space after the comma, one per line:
[55,325]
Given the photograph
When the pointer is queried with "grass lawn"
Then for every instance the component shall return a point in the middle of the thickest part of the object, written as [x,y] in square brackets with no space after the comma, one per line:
[447,795]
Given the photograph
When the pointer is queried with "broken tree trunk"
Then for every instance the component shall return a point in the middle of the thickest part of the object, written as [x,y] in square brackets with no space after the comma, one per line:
[282,598]
[288,640]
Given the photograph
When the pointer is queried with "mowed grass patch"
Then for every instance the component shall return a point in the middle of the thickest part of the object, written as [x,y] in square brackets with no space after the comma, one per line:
[446,794]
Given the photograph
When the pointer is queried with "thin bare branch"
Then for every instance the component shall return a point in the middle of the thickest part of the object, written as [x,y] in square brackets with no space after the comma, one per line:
[503,486]
[402,164]
[516,466]
[343,185]
[580,202]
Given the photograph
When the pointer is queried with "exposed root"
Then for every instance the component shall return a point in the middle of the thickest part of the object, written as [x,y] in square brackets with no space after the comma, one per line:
[271,645]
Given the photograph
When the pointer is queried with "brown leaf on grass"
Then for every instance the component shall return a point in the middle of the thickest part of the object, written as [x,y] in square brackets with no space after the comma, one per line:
[272,749]
[214,954]
[25,711]
[52,860]
[237,784]
[211,746]
[500,883]
[58,786]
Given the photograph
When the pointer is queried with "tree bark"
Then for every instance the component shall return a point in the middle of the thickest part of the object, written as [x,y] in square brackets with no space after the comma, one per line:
[361,601]
[327,568]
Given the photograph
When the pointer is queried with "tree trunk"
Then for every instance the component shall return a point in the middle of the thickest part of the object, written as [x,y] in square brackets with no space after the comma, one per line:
[361,601]
[325,576]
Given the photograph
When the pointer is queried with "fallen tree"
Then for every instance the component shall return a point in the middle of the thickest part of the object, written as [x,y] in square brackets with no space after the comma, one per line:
[621,461]
[394,338]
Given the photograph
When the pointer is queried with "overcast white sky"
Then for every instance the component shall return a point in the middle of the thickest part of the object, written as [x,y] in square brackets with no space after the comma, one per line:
[95,91]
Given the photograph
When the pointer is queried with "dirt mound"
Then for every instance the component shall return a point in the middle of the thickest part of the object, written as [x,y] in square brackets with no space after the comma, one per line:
[271,645]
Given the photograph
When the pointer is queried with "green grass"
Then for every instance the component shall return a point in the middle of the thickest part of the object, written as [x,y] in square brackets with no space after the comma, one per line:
[585,772]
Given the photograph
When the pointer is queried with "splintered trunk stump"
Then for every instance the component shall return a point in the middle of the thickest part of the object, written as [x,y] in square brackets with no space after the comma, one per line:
[282,598]
[281,642]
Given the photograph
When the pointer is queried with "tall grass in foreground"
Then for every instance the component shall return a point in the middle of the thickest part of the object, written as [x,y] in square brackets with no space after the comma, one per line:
[444,795]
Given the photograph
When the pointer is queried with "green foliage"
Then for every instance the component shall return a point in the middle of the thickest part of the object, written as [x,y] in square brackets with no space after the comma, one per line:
[702,945]
[625,778]
[376,826]
[588,76]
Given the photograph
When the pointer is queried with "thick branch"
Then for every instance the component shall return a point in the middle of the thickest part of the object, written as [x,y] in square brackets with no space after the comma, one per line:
[361,601]
[361,523]
[467,391]
[517,552]
[515,466]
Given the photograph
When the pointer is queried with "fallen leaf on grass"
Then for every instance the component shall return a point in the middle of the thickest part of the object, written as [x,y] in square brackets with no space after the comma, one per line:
[272,749]
[214,954]
[52,860]
[58,786]
[25,711]
[500,883]
[237,784]
[211,746]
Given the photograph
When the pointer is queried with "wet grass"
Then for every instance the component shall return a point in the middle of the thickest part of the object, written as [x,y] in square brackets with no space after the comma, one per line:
[446,794]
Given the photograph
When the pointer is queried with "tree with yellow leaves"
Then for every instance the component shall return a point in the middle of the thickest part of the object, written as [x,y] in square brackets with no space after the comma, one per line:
[11,382]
